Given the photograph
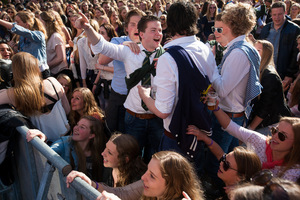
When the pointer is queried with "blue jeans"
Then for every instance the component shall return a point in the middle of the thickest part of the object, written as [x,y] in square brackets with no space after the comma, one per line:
[148,133]
[226,142]
[168,144]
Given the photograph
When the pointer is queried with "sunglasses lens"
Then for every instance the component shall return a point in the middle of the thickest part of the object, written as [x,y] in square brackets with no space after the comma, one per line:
[281,136]
[225,165]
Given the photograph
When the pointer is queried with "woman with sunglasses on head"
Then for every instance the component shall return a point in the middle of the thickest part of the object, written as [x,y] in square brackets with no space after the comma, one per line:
[279,153]
[235,167]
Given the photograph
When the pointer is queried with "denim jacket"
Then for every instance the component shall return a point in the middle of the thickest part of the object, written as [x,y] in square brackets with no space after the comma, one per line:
[32,42]
[63,146]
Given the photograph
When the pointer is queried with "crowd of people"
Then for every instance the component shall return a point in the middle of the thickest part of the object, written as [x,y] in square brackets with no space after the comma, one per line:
[122,91]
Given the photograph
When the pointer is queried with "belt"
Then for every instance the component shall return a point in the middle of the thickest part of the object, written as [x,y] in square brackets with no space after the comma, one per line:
[141,116]
[169,135]
[235,115]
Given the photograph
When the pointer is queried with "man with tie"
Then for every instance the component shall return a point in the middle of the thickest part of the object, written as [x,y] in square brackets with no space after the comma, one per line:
[146,127]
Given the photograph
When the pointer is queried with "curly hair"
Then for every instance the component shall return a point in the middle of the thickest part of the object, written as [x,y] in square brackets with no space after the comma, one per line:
[239,17]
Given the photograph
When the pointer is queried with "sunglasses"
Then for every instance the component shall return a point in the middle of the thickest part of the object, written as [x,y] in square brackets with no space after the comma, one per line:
[219,30]
[226,164]
[282,136]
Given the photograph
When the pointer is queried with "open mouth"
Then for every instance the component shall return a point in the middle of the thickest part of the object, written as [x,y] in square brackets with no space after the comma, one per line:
[156,40]
[136,34]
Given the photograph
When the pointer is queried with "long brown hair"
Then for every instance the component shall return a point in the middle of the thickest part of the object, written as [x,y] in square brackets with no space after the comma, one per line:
[292,158]
[295,94]
[90,106]
[208,11]
[96,145]
[248,163]
[28,88]
[179,175]
[34,23]
[131,166]
[267,56]
[51,24]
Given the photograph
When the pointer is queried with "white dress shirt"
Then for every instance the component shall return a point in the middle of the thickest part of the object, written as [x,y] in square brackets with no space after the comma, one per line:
[131,62]
[231,84]
[166,79]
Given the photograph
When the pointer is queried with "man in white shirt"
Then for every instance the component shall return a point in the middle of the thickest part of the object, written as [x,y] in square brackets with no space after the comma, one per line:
[236,80]
[139,121]
[170,85]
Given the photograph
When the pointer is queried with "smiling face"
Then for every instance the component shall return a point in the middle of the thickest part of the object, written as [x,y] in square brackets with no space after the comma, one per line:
[154,183]
[283,146]
[5,51]
[230,177]
[132,28]
[222,38]
[77,103]
[278,17]
[82,131]
[113,18]
[110,155]
[152,36]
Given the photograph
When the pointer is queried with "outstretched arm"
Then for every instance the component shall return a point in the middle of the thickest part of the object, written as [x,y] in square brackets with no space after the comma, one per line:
[6,24]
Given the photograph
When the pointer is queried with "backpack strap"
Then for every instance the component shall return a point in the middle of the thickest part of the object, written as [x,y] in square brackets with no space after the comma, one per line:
[48,96]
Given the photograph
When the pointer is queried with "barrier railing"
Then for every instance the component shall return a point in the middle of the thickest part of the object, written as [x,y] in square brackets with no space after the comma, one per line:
[40,188]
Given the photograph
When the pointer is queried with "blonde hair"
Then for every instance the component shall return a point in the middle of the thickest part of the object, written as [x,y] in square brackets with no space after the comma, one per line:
[208,10]
[239,17]
[51,24]
[179,175]
[34,23]
[28,88]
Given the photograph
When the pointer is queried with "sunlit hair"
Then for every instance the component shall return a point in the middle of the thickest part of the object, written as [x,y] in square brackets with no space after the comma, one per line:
[34,23]
[96,145]
[130,165]
[110,30]
[13,10]
[110,13]
[248,163]
[59,8]
[179,175]
[28,88]
[120,11]
[102,20]
[90,106]
[267,56]
[131,13]
[68,79]
[51,24]
[4,14]
[208,14]
[292,158]
[239,17]
[154,11]
[95,25]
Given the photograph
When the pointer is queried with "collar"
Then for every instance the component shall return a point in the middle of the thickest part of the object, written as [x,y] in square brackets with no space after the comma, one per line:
[181,40]
[143,48]
[239,38]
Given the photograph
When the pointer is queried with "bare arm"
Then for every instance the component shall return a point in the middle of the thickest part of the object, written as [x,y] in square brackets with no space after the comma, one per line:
[6,24]
[60,56]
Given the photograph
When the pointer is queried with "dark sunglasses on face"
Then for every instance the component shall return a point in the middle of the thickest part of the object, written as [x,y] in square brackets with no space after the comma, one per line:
[282,136]
[219,30]
[226,164]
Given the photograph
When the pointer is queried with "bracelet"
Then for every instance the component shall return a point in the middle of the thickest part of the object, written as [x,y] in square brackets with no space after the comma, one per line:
[211,143]
[97,185]
[95,83]
[218,108]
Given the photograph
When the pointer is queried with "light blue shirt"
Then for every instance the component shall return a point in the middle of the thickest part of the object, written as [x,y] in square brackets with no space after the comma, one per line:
[118,82]
[32,42]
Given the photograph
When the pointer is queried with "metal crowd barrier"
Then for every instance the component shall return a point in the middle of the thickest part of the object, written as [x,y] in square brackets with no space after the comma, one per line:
[37,177]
